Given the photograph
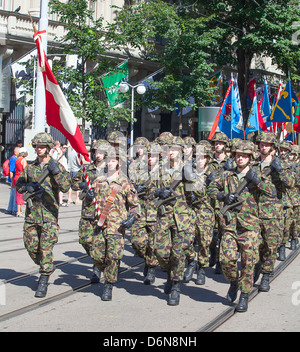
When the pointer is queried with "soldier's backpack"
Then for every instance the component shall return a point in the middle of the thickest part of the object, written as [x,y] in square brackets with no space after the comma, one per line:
[5,168]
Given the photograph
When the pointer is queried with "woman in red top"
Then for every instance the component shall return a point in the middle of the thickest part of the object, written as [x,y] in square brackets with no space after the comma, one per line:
[20,165]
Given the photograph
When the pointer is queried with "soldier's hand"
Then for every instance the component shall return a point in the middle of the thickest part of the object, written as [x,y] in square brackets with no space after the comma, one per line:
[90,195]
[53,167]
[210,178]
[230,198]
[228,165]
[140,188]
[165,193]
[83,186]
[276,165]
[31,187]
[188,173]
[251,176]
[126,224]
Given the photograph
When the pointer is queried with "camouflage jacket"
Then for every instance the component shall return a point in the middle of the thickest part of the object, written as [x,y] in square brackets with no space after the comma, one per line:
[179,207]
[289,176]
[44,206]
[125,202]
[246,215]
[88,210]
[272,207]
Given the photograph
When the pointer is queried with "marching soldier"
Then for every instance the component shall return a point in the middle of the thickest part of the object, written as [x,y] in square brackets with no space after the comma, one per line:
[89,216]
[174,232]
[240,233]
[270,208]
[203,207]
[42,180]
[119,207]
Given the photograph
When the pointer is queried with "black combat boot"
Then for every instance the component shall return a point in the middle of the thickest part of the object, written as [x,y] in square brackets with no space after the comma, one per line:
[232,292]
[282,256]
[168,285]
[107,291]
[42,286]
[257,271]
[190,271]
[200,276]
[218,268]
[175,294]
[96,275]
[265,283]
[150,277]
[243,303]
[293,244]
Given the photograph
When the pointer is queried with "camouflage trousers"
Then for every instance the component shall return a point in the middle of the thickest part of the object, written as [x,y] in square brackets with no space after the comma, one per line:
[204,226]
[271,233]
[289,225]
[107,250]
[245,244]
[142,241]
[171,246]
[86,232]
[39,241]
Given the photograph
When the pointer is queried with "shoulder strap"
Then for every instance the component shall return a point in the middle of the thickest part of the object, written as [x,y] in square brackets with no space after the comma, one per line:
[109,203]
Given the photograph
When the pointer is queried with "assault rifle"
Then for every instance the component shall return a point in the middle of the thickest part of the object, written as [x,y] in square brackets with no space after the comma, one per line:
[225,210]
[28,196]
[159,203]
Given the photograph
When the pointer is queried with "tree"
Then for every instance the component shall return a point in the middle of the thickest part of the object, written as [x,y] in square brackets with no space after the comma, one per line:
[180,44]
[86,38]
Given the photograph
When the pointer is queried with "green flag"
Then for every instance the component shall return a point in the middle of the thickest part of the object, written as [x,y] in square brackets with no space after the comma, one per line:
[111,82]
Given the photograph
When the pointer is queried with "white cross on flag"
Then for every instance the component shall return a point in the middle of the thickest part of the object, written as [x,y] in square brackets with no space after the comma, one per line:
[58,111]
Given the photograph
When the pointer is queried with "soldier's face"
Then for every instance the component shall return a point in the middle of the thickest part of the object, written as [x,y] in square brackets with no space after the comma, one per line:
[242,159]
[99,155]
[153,159]
[112,164]
[201,162]
[219,146]
[283,151]
[174,152]
[41,149]
[265,148]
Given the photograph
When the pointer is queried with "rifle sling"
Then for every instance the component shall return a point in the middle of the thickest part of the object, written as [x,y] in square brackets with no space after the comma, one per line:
[109,203]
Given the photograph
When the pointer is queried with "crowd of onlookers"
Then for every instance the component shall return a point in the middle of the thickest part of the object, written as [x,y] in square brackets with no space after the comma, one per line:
[63,153]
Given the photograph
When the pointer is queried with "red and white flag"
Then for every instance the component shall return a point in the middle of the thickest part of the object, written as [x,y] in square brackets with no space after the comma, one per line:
[58,111]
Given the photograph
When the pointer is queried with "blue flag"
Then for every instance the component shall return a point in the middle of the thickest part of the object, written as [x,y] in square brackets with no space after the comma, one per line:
[283,109]
[252,123]
[265,106]
[237,121]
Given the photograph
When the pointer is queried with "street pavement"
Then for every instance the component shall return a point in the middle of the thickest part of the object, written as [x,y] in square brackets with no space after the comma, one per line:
[135,307]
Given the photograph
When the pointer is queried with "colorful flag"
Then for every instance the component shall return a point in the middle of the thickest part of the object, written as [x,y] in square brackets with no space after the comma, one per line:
[58,112]
[283,110]
[265,108]
[297,118]
[216,81]
[237,121]
[111,82]
[252,123]
[222,111]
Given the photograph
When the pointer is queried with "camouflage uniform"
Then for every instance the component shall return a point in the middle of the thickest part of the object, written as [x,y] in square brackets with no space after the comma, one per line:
[174,231]
[203,207]
[89,215]
[41,220]
[287,201]
[108,243]
[241,234]
[270,211]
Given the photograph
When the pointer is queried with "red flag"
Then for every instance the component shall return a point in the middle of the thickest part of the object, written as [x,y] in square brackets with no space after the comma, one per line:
[58,111]
[261,121]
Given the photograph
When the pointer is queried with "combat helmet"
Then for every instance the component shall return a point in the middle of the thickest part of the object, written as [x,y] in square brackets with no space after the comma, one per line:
[153,148]
[220,137]
[188,140]
[164,138]
[176,140]
[99,143]
[267,137]
[42,138]
[285,145]
[115,137]
[205,150]
[246,147]
[141,141]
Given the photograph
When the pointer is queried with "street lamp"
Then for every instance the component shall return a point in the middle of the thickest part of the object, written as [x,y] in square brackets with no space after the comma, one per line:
[141,89]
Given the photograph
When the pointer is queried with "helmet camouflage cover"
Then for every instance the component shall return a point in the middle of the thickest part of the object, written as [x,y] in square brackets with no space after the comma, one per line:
[115,137]
[164,138]
[141,141]
[220,137]
[246,147]
[42,138]
[286,145]
[267,137]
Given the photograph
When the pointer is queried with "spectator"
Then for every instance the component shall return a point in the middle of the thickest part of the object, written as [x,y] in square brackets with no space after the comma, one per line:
[19,143]
[55,152]
[12,203]
[74,165]
[19,167]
